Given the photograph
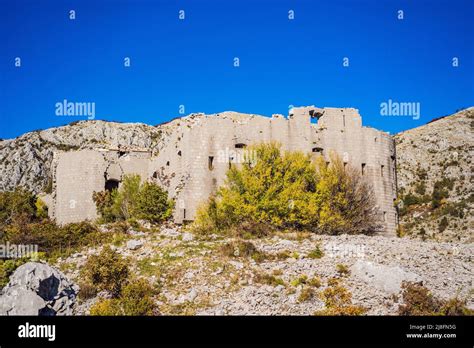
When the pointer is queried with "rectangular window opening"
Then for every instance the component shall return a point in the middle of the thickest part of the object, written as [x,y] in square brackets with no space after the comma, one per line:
[210,163]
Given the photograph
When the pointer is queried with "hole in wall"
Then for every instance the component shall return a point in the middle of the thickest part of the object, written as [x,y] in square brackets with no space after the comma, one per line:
[210,163]
[111,184]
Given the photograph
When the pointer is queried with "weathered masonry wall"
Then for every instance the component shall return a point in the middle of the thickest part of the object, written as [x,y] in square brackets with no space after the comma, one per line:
[196,152]
[78,174]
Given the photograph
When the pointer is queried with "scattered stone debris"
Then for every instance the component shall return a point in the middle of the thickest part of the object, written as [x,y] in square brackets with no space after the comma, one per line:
[195,277]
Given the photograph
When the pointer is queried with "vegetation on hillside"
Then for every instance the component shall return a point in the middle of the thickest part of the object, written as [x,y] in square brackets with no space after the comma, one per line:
[418,300]
[109,272]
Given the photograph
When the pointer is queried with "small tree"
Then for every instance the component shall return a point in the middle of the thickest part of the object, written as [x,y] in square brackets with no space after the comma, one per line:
[153,204]
[104,201]
[125,202]
[17,205]
[106,271]
[134,200]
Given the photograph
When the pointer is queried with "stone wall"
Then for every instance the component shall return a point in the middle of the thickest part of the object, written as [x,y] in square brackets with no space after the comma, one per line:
[78,174]
[197,150]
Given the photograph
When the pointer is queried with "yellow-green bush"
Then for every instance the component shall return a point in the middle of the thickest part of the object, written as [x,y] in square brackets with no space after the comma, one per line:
[41,209]
[7,267]
[17,205]
[418,300]
[287,190]
[106,307]
[135,299]
[107,271]
[338,301]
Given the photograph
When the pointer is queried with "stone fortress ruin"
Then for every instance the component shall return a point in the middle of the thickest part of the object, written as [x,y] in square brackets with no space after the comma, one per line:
[196,151]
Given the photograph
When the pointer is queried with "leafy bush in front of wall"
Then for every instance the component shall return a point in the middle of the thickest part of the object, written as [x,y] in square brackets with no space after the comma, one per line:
[134,200]
[288,190]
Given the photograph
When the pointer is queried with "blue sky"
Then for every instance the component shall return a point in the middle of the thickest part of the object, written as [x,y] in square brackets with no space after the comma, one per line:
[190,62]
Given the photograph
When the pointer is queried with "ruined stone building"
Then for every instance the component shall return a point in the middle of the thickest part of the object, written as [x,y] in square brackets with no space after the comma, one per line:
[196,151]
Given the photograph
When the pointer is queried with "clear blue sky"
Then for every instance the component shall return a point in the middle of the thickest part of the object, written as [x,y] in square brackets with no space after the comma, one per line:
[190,62]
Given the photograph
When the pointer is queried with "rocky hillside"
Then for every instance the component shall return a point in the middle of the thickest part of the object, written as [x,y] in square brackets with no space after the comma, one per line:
[26,160]
[435,181]
[286,273]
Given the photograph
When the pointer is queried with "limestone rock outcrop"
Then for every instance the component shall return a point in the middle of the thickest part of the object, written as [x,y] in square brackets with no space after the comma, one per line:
[386,278]
[26,161]
[36,288]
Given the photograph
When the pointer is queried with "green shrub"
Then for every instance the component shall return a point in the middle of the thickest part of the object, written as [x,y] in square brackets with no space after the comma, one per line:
[104,201]
[411,199]
[315,281]
[106,307]
[420,188]
[125,202]
[134,300]
[86,291]
[441,190]
[107,271]
[302,279]
[268,279]
[455,306]
[24,220]
[7,267]
[443,224]
[17,205]
[317,253]
[41,209]
[306,294]
[153,204]
[134,200]
[286,190]
[418,300]
[338,301]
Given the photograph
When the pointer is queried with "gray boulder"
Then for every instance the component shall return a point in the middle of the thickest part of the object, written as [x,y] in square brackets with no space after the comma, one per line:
[134,244]
[385,278]
[36,288]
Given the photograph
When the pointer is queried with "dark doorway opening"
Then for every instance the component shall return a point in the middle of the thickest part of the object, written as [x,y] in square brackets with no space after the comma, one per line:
[111,184]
